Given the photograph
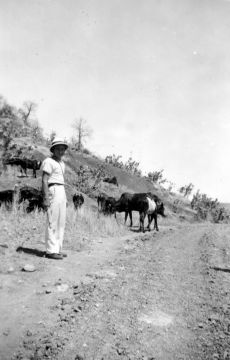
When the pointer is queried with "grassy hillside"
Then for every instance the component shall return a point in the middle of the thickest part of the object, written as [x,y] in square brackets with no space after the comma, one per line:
[176,206]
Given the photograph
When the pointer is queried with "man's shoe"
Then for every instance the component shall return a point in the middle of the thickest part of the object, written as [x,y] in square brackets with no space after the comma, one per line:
[63,254]
[54,256]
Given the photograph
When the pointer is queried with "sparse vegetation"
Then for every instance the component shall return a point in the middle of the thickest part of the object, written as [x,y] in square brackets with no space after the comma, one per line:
[208,208]
[88,178]
[28,115]
[157,177]
[91,224]
[171,187]
[186,190]
[81,226]
[114,160]
[83,131]
[16,123]
[86,151]
[130,165]
[10,124]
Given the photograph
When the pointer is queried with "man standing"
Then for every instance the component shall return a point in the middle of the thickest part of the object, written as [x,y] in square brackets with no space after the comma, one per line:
[54,199]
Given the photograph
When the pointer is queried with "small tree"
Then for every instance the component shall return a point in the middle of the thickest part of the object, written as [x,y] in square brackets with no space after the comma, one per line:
[27,115]
[186,190]
[132,167]
[83,131]
[157,177]
[114,160]
[36,132]
[10,124]
[27,112]
[207,207]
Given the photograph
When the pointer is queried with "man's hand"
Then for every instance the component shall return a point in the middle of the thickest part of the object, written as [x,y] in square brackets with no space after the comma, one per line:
[46,204]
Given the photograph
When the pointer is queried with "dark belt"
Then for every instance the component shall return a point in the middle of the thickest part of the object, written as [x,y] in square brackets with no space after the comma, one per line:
[52,184]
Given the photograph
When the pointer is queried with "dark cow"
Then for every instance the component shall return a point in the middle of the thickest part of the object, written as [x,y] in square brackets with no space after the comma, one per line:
[106,204]
[26,193]
[33,196]
[108,207]
[101,200]
[25,164]
[30,164]
[146,203]
[78,200]
[34,204]
[6,197]
[13,161]
[126,201]
[112,180]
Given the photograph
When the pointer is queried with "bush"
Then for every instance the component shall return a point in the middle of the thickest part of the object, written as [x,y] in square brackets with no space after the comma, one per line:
[88,179]
[131,165]
[17,123]
[207,208]
[156,177]
[176,205]
[86,151]
[114,160]
[10,125]
[186,190]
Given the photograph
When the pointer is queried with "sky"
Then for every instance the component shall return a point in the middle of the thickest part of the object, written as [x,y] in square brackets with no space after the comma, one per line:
[150,77]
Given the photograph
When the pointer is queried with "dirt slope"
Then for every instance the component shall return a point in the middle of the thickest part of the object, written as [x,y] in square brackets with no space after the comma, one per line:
[153,296]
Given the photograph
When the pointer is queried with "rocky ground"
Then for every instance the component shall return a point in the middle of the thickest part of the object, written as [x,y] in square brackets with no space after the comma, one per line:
[145,296]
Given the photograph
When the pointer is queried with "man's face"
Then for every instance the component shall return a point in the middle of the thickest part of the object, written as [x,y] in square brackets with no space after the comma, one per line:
[59,151]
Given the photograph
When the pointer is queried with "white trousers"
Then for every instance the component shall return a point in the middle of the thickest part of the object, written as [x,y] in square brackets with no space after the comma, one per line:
[56,215]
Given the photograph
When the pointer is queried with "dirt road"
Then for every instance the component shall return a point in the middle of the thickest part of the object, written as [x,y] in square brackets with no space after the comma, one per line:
[157,296]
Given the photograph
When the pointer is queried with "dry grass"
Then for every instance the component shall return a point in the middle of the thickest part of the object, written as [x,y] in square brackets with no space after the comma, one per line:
[86,225]
[20,229]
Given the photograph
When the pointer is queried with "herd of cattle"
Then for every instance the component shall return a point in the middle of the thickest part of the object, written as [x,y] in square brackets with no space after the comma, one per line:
[32,195]
[145,203]
[33,198]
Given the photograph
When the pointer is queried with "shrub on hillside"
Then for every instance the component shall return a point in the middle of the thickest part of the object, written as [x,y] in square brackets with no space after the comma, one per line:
[114,160]
[36,133]
[186,190]
[88,179]
[207,208]
[156,177]
[131,165]
[176,205]
[18,123]
[10,125]
[86,151]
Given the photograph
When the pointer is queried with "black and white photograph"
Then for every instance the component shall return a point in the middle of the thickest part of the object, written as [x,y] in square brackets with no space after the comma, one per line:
[114,179]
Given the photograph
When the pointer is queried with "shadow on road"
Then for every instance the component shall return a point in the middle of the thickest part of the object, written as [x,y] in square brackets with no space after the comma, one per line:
[34,252]
[134,230]
[217,268]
